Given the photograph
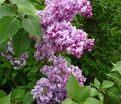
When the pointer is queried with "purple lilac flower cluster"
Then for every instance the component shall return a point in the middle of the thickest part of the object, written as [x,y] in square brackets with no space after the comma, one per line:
[10,56]
[52,90]
[58,34]
[59,10]
[62,36]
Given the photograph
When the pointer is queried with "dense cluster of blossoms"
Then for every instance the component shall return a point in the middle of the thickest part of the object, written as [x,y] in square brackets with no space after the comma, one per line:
[52,90]
[59,10]
[58,34]
[63,36]
[10,56]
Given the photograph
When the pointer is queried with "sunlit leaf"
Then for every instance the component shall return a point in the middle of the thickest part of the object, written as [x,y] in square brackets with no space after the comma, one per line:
[8,28]
[2,1]
[107,84]
[32,25]
[117,67]
[7,10]
[75,91]
[5,99]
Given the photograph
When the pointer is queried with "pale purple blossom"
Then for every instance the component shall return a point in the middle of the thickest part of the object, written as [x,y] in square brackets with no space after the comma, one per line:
[62,36]
[10,56]
[19,62]
[55,83]
[42,91]
[44,50]
[86,9]
[89,44]
[59,10]
[58,34]
[10,46]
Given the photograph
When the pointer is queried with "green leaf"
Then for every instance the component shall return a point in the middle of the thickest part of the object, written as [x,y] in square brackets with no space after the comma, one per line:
[26,7]
[18,93]
[94,92]
[73,88]
[7,10]
[92,101]
[75,91]
[115,76]
[33,70]
[97,84]
[21,42]
[68,101]
[85,93]
[117,67]
[16,1]
[114,93]
[8,28]
[5,100]
[32,25]
[28,99]
[107,84]
[2,93]
[2,1]
[101,96]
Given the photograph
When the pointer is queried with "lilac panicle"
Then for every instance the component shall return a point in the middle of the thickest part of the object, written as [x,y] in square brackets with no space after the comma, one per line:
[59,10]
[58,34]
[55,83]
[62,36]
[42,91]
